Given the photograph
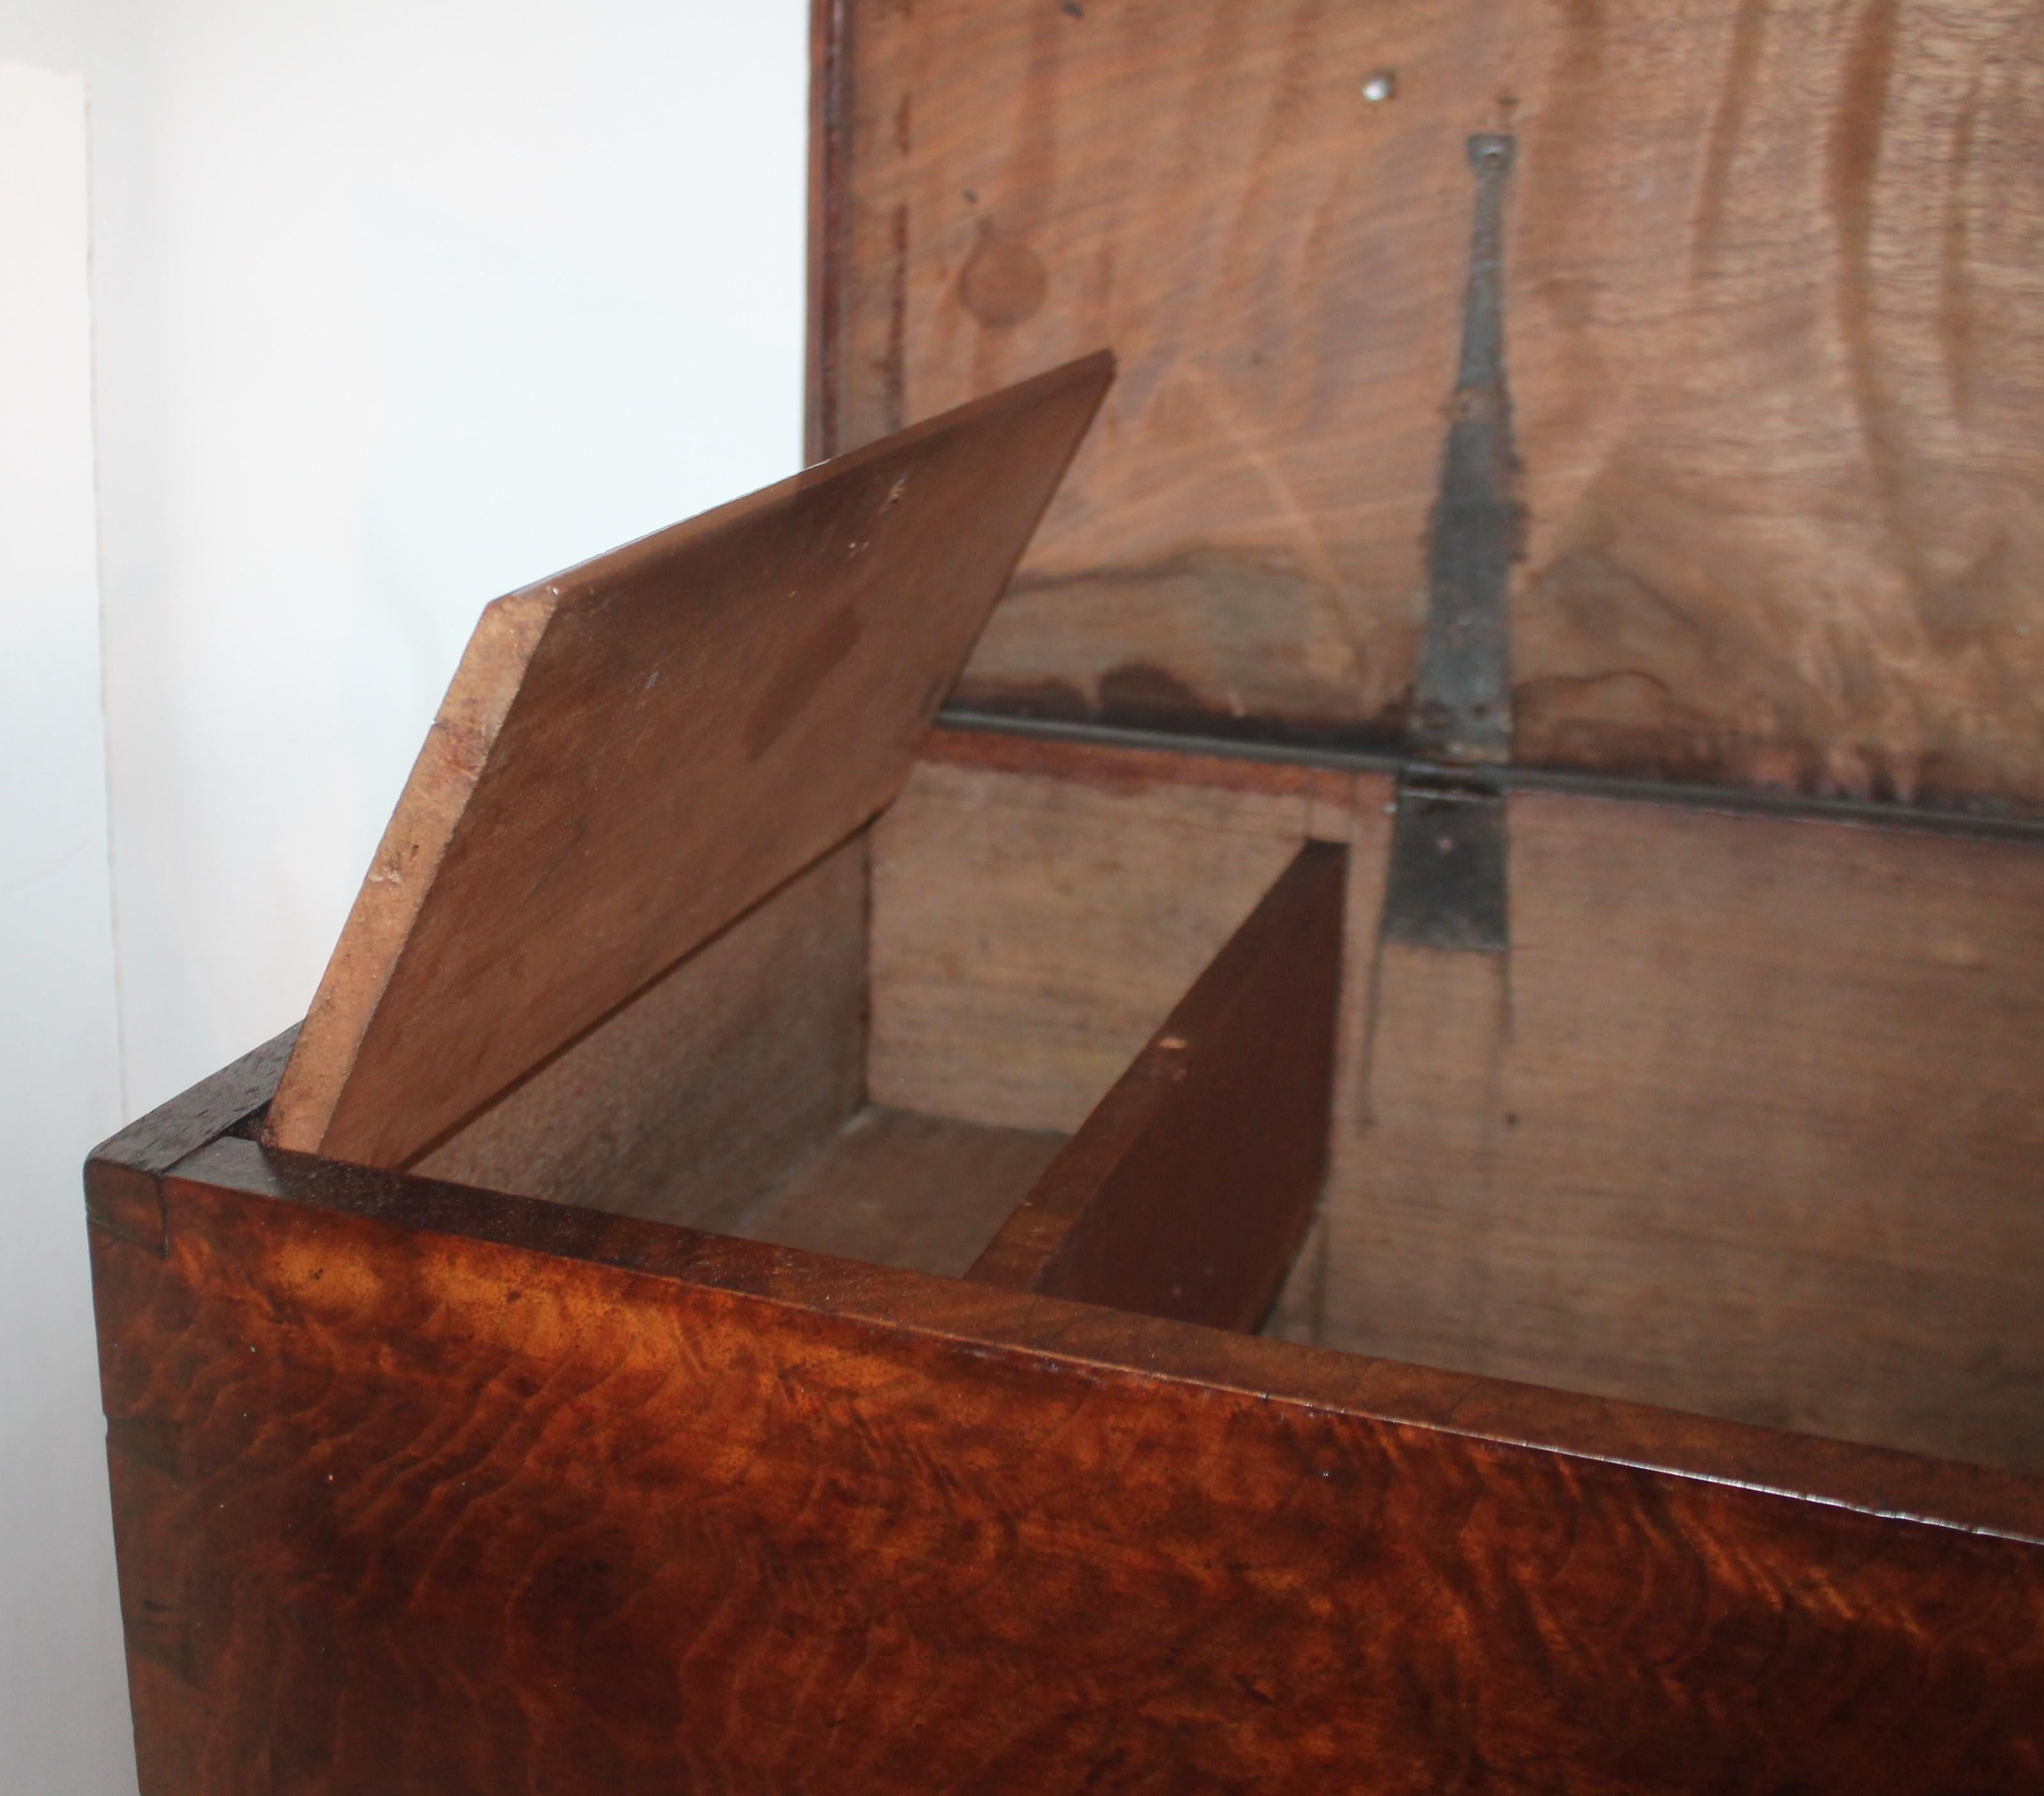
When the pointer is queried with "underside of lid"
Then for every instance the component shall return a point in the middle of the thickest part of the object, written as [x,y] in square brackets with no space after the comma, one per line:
[1772,328]
[634,752]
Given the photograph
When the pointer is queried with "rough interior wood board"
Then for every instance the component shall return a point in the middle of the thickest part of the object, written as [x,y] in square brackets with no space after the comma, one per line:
[1367,815]
[1748,1122]
[696,1098]
[636,750]
[1187,1190]
[1774,326]
[422,1488]
[893,1188]
[1039,908]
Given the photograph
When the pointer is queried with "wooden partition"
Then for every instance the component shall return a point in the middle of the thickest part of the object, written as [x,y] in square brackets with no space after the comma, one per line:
[634,753]
[1187,1191]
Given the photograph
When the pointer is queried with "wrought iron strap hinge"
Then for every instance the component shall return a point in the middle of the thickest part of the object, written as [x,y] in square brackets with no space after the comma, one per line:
[1461,709]
[1447,885]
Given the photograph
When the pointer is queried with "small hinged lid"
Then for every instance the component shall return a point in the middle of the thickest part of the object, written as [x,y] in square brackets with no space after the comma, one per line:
[636,750]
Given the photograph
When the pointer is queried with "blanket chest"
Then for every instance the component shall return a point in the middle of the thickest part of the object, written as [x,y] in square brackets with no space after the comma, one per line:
[1302,1059]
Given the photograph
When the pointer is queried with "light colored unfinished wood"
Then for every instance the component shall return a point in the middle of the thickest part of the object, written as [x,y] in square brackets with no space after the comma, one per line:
[703,1094]
[1038,910]
[1774,321]
[1750,1121]
[893,1188]
[1363,818]
[634,751]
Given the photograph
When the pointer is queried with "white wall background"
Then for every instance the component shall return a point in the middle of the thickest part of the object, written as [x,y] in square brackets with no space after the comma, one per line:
[394,306]
[60,1078]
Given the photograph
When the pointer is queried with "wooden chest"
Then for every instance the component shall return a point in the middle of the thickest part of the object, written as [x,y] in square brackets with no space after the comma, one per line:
[1404,1152]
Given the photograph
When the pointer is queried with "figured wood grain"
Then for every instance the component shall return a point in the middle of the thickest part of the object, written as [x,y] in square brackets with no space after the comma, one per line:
[1771,318]
[1039,908]
[1748,1122]
[705,1092]
[893,1188]
[1944,1493]
[1186,1192]
[634,751]
[421,1487]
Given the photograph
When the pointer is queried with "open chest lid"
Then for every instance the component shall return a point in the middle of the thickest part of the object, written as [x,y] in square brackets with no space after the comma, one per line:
[634,751]
[1769,292]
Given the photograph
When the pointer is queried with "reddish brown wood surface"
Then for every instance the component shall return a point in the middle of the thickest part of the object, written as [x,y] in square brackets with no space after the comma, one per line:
[634,752]
[1772,305]
[417,1486]
[1186,1192]
[1901,1484]
[123,1191]
[423,1487]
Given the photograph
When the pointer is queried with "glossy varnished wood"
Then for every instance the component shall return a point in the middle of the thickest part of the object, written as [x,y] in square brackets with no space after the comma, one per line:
[419,1487]
[634,752]
[1771,305]
[1186,1192]
[122,1191]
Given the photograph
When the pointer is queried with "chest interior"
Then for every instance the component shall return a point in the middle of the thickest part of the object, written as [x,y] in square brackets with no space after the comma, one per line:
[1582,466]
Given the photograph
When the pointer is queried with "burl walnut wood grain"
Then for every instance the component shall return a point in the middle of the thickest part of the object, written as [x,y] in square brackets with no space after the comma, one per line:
[422,1488]
[634,752]
[1186,1192]
[1772,321]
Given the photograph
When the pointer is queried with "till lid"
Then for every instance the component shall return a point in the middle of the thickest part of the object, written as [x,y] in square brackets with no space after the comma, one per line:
[636,750]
